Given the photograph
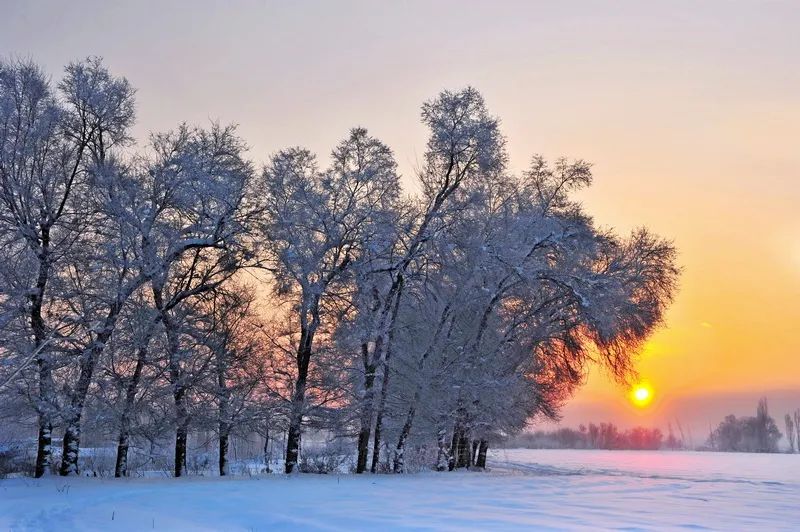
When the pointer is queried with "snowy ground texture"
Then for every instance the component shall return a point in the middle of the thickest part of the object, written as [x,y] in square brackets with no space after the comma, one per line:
[524,489]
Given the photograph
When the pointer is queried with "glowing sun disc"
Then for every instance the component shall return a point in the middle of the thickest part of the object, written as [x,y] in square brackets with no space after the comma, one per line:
[641,394]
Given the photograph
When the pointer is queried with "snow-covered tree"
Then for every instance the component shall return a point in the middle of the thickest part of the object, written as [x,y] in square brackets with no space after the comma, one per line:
[465,147]
[515,286]
[232,333]
[192,240]
[50,144]
[316,225]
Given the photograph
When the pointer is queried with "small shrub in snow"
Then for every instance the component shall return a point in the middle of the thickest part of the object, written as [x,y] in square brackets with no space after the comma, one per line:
[14,460]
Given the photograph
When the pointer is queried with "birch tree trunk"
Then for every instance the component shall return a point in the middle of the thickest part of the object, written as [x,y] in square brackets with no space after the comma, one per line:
[366,407]
[376,441]
[376,445]
[46,399]
[74,412]
[443,454]
[224,435]
[304,351]
[400,451]
[224,421]
[480,461]
[181,421]
[123,443]
[121,467]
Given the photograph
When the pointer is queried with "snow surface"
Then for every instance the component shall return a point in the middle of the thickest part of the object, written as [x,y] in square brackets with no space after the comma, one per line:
[524,489]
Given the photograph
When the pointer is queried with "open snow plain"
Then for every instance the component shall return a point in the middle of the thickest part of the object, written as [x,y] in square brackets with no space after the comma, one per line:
[525,489]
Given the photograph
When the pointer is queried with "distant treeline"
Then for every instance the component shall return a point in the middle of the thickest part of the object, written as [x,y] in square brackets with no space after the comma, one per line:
[752,434]
[597,436]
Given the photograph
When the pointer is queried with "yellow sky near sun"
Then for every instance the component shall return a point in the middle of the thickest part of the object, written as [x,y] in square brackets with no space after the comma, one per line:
[730,205]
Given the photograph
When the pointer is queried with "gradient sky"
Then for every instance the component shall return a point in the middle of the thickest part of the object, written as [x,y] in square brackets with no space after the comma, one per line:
[690,112]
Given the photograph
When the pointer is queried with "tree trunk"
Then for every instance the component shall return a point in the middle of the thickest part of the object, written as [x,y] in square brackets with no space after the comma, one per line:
[366,408]
[267,457]
[294,434]
[89,357]
[224,433]
[181,432]
[376,445]
[45,408]
[46,399]
[399,455]
[181,412]
[44,447]
[293,437]
[474,458]
[72,431]
[459,447]
[443,455]
[121,467]
[363,437]
[72,441]
[181,436]
[376,441]
[224,415]
[481,460]
[464,456]
[452,459]
[176,380]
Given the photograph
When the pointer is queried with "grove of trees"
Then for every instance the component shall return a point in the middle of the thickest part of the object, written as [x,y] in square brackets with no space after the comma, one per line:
[755,434]
[597,436]
[151,294]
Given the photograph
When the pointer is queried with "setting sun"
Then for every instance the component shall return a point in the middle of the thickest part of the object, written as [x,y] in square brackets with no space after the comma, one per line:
[641,395]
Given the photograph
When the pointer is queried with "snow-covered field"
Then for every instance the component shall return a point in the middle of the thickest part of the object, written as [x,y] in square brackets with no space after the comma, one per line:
[524,489]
